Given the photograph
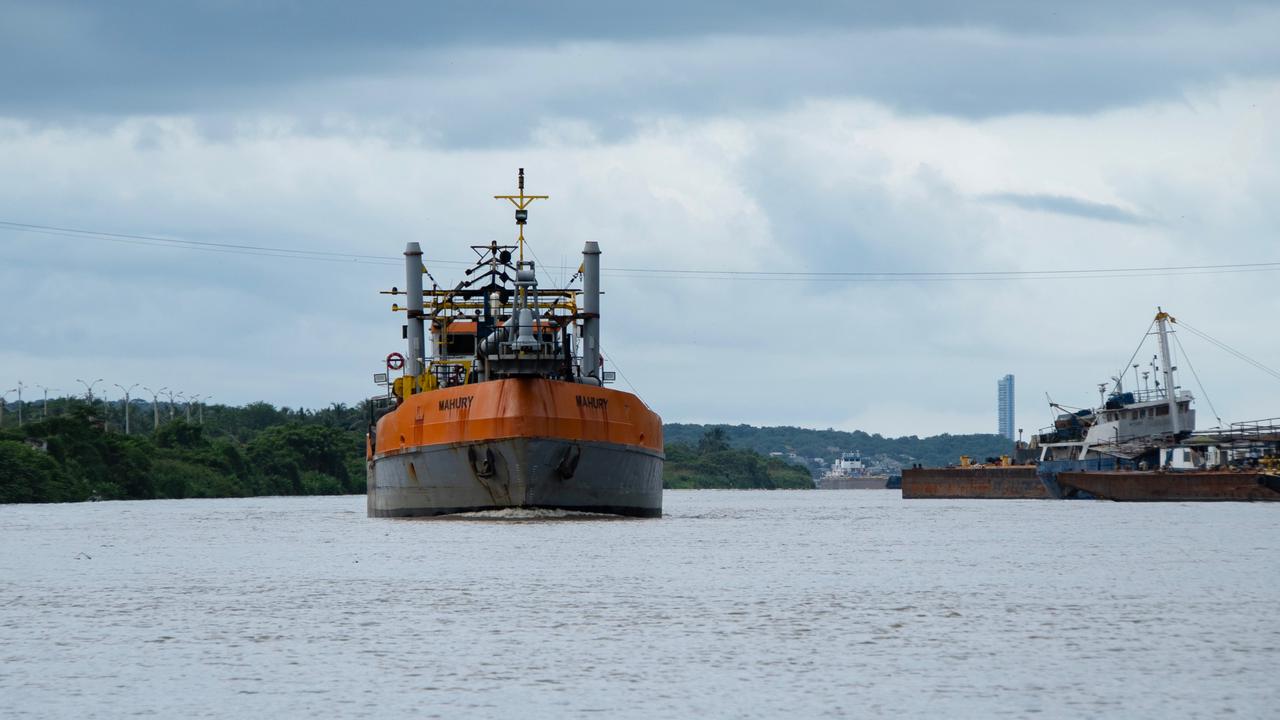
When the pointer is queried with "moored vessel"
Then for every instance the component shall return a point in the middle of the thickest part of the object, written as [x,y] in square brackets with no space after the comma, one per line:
[988,482]
[1142,445]
[848,472]
[1172,486]
[508,406]
[1139,444]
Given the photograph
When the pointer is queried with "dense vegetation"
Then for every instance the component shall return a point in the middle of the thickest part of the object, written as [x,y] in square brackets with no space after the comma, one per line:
[80,452]
[711,463]
[935,451]
[72,457]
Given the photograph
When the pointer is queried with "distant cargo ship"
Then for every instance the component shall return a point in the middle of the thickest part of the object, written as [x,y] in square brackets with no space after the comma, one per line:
[848,472]
[508,407]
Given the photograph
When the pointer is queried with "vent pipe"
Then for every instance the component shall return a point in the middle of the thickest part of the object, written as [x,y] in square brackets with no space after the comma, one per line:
[591,311]
[413,289]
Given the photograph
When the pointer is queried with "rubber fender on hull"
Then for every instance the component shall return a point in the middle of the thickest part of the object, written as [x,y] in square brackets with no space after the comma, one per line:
[482,462]
[569,461]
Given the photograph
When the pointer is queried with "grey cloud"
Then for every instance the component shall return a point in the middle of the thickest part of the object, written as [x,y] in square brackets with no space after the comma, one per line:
[458,71]
[1065,205]
[471,97]
[847,216]
[265,328]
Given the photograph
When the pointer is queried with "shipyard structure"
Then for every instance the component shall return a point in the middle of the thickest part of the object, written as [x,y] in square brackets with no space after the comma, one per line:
[501,399]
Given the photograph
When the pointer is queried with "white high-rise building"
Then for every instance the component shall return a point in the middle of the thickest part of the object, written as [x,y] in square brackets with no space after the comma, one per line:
[1004,406]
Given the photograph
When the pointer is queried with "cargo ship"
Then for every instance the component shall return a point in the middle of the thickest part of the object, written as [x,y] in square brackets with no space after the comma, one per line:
[848,472]
[501,399]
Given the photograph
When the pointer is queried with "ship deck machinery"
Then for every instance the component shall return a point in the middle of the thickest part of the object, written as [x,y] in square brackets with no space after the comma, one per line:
[508,407]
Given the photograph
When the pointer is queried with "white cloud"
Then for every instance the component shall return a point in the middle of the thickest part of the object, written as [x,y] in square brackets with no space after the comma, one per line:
[821,185]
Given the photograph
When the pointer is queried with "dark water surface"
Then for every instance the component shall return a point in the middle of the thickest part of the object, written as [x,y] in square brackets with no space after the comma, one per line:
[736,604]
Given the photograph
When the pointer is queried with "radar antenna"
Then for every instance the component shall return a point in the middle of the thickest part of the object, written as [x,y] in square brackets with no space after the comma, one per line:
[522,203]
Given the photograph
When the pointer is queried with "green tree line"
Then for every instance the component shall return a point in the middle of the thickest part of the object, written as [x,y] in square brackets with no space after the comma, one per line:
[934,451]
[77,450]
[712,463]
[73,457]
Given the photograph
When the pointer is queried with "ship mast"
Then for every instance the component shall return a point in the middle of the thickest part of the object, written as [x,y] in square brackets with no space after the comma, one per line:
[522,203]
[1169,390]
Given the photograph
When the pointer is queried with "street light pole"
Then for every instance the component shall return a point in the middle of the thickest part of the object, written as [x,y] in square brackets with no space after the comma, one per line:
[88,388]
[19,403]
[171,397]
[45,414]
[155,406]
[126,403]
[199,401]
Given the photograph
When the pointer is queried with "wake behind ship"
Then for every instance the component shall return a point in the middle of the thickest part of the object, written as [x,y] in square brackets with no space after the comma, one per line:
[508,407]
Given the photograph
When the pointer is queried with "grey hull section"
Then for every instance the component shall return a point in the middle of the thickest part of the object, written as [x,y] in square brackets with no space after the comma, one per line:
[517,473]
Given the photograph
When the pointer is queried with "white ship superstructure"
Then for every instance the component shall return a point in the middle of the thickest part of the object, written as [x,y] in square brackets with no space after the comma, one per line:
[1129,423]
[848,472]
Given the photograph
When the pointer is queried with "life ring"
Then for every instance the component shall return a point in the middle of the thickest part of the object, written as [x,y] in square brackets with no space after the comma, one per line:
[395,361]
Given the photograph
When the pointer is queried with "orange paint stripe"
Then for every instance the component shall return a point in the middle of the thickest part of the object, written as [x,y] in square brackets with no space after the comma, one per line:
[521,407]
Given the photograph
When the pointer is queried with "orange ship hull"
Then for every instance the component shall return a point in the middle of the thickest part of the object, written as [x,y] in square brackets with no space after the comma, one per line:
[517,442]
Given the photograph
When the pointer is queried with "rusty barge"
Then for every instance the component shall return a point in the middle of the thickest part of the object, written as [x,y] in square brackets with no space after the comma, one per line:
[1194,486]
[1013,482]
[1032,482]
[508,407]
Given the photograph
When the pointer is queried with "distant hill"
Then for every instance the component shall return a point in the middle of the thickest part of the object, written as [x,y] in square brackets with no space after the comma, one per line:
[934,451]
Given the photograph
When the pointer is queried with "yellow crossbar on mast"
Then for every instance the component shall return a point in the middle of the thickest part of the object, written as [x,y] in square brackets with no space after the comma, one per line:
[522,203]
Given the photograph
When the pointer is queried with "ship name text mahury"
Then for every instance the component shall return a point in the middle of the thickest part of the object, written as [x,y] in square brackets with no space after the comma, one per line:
[593,402]
[458,403]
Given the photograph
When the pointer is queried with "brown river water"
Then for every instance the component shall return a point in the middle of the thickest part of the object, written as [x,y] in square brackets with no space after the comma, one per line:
[735,604]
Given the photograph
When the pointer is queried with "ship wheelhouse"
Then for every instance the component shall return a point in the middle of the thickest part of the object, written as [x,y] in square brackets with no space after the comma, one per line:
[1127,416]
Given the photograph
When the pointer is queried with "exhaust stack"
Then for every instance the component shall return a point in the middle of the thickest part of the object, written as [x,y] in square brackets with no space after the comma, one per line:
[413,289]
[591,312]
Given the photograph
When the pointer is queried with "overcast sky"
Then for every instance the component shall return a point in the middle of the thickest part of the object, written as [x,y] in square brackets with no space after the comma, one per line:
[823,137]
